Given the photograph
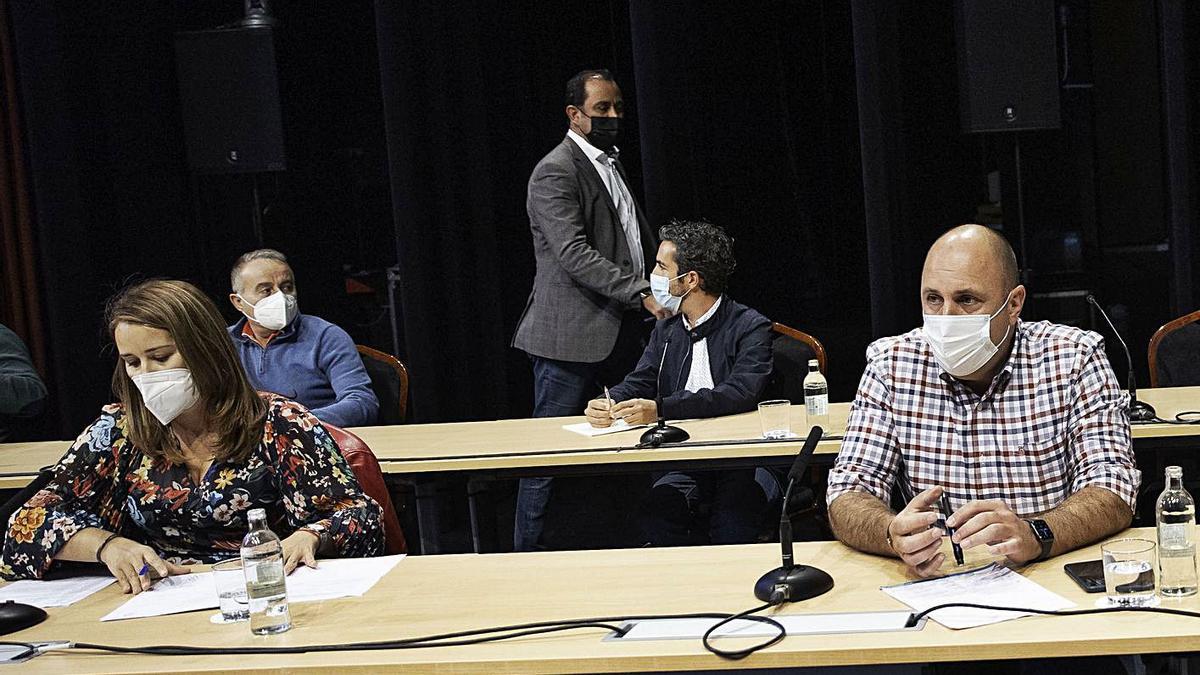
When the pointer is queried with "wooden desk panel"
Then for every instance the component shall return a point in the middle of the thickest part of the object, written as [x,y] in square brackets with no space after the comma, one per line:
[434,594]
[20,462]
[524,443]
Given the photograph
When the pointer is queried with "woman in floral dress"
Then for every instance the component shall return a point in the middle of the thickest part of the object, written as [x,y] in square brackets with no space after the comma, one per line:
[164,478]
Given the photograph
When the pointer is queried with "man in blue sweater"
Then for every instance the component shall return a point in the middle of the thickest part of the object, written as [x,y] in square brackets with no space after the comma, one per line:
[716,360]
[300,356]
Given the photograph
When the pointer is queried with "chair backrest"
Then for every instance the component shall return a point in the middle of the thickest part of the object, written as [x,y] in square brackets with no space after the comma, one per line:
[370,477]
[791,351]
[1172,353]
[389,381]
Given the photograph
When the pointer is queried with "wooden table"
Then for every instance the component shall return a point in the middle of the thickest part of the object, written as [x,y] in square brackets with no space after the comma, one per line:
[426,453]
[488,451]
[434,594]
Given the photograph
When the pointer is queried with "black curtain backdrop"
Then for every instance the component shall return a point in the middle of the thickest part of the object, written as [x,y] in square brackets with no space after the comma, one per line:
[114,199]
[741,115]
[748,119]
[473,100]
[920,173]
[104,157]
[823,134]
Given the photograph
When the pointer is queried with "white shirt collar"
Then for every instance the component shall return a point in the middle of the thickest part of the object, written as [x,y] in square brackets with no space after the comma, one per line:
[595,154]
[707,315]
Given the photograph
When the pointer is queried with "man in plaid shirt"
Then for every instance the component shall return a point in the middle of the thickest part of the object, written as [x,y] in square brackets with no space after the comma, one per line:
[1023,426]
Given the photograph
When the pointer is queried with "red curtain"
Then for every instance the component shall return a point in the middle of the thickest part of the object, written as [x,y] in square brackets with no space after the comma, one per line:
[20,307]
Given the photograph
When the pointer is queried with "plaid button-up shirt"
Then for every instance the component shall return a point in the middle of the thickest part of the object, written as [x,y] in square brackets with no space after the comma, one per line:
[1052,422]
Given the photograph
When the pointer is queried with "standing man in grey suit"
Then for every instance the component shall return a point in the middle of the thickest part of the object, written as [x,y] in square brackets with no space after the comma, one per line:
[585,322]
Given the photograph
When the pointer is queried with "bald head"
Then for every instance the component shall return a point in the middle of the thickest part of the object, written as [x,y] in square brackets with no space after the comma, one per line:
[972,270]
[978,251]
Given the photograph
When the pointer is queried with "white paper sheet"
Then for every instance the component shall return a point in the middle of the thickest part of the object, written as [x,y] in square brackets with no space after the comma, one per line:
[990,585]
[586,429]
[54,592]
[338,578]
[798,624]
[184,593]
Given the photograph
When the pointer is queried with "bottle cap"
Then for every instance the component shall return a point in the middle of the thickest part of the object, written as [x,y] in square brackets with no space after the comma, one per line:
[812,363]
[256,514]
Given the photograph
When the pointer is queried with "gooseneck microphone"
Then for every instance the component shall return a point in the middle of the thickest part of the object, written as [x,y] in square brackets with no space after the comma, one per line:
[662,432]
[1139,411]
[791,582]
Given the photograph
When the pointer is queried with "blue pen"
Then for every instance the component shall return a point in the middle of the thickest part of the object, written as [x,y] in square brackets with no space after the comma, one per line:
[146,568]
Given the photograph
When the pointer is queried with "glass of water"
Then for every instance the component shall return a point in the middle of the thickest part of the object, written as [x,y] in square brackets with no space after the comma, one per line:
[776,418]
[231,590]
[1129,572]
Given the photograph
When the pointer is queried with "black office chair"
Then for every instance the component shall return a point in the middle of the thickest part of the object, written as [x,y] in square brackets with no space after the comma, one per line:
[389,381]
[791,351]
[1172,353]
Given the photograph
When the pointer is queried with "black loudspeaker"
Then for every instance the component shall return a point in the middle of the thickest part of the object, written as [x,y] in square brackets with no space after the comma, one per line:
[1007,64]
[229,94]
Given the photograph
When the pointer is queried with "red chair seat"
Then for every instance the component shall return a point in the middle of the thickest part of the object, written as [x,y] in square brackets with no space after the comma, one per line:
[366,469]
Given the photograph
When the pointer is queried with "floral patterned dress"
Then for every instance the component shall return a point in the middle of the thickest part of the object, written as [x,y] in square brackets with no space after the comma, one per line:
[296,473]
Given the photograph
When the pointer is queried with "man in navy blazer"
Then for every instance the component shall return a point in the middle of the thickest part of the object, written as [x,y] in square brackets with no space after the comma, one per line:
[716,360]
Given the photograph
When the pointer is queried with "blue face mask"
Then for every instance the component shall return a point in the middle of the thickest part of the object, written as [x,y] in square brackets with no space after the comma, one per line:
[660,287]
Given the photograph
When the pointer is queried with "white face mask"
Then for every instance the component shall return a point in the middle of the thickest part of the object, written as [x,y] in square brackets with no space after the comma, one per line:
[274,311]
[167,393]
[660,287]
[962,343]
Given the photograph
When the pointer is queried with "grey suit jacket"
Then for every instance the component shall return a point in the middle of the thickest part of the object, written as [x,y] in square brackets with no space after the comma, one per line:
[584,280]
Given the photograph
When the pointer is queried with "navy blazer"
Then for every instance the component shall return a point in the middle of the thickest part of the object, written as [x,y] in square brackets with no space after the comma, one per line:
[739,357]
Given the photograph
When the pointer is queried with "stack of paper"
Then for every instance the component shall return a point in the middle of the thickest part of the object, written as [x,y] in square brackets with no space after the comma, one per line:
[184,593]
[991,585]
[55,592]
[348,577]
[586,429]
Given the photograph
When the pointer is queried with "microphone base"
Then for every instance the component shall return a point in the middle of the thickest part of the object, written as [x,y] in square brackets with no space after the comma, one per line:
[662,433]
[1140,411]
[801,582]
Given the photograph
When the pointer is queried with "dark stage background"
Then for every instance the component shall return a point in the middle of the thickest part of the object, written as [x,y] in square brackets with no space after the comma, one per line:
[822,134]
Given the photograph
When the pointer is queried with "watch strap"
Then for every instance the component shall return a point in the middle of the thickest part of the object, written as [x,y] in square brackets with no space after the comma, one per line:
[1040,533]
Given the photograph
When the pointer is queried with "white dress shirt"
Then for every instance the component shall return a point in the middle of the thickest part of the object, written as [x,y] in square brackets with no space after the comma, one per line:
[700,375]
[606,166]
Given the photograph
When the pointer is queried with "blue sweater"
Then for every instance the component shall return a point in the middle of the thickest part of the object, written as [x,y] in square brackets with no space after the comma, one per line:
[314,362]
[739,357]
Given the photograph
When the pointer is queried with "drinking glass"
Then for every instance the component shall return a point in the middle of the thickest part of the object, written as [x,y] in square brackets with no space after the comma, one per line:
[231,590]
[775,417]
[1129,566]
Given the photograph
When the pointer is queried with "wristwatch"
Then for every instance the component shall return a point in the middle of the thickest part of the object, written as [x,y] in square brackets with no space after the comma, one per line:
[1044,535]
[322,532]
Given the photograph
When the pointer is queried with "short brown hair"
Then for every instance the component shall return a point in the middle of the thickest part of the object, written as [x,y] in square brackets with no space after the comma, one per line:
[235,274]
[233,410]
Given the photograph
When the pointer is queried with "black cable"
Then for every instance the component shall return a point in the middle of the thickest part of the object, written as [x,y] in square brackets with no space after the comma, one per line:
[916,617]
[1186,417]
[467,637]
[414,643]
[737,654]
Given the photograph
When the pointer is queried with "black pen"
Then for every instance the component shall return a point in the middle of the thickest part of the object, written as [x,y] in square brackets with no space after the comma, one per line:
[958,552]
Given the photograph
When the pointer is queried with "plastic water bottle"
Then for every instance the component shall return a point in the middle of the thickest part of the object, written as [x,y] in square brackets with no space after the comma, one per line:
[1176,537]
[816,397]
[266,583]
